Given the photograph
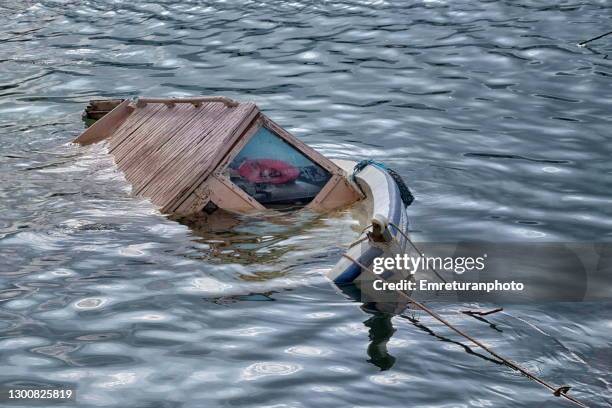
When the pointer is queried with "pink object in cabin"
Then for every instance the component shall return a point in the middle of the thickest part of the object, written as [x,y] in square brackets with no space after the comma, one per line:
[268,171]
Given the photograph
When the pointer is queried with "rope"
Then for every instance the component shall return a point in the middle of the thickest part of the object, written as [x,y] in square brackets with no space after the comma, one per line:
[479,313]
[418,250]
[359,241]
[358,167]
[405,194]
[421,253]
[366,228]
[581,44]
[557,391]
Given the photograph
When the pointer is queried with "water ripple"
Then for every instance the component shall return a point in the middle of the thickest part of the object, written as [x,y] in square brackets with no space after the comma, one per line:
[495,118]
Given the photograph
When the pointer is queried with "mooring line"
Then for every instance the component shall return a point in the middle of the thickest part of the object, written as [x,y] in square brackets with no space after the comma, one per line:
[481,313]
[468,348]
[557,391]
[581,44]
[421,253]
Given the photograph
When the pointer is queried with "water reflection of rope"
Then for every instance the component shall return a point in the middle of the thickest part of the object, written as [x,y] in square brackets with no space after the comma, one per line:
[557,391]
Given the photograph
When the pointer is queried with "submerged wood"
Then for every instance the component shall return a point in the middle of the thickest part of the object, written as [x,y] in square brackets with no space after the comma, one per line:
[98,108]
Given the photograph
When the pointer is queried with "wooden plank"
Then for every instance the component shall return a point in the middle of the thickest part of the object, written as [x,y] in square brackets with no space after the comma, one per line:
[233,129]
[198,149]
[151,116]
[166,121]
[176,146]
[337,193]
[141,152]
[195,155]
[236,129]
[195,203]
[225,194]
[230,197]
[105,127]
[137,119]
[140,129]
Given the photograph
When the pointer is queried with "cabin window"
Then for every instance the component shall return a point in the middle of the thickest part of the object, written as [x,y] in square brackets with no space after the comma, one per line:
[275,173]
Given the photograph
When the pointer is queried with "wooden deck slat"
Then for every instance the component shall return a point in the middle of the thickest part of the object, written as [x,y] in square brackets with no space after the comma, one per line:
[146,131]
[138,116]
[240,126]
[131,124]
[107,126]
[180,152]
[167,122]
[201,155]
[141,156]
[176,146]
[180,175]
[153,150]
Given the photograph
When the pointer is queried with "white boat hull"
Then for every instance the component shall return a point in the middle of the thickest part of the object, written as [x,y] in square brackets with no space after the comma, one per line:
[382,198]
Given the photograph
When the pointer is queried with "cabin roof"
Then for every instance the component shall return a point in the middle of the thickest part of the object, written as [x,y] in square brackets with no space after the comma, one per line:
[168,148]
[166,151]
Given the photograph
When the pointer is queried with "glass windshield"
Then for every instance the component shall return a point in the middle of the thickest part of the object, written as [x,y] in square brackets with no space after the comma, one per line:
[276,173]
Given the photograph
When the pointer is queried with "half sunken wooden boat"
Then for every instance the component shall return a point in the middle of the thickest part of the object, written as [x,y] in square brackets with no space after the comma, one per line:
[195,155]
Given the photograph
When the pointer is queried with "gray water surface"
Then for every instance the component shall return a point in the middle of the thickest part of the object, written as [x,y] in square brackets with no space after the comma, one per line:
[498,122]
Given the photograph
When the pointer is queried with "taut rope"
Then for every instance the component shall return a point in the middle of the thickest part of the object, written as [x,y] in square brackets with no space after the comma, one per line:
[581,44]
[557,391]
[421,253]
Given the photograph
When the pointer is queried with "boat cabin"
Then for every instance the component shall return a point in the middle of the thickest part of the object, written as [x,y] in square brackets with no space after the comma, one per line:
[194,155]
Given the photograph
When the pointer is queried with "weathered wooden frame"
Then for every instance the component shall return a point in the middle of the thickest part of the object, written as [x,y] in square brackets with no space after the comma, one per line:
[105,126]
[199,196]
[336,193]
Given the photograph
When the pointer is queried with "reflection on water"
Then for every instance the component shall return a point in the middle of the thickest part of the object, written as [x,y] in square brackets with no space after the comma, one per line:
[266,237]
[381,330]
[496,120]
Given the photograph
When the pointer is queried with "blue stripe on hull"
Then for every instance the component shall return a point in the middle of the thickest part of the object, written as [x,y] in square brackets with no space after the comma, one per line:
[353,270]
